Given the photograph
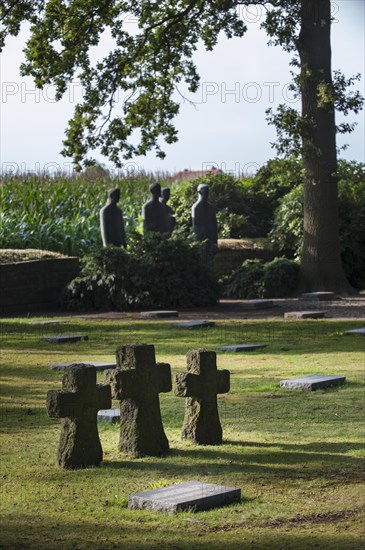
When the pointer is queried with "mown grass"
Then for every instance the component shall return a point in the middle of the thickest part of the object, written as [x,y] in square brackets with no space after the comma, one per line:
[298,457]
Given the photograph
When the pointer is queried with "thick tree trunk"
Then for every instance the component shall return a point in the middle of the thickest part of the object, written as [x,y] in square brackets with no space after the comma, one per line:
[321,266]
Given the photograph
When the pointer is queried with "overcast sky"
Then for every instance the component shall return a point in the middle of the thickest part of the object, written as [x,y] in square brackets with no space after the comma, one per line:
[240,79]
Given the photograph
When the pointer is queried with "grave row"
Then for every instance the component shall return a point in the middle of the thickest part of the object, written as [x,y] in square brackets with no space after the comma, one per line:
[136,383]
[69,338]
[105,365]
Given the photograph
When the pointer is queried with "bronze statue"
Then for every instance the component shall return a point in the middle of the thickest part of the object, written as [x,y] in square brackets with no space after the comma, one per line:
[205,220]
[111,221]
[155,213]
[164,200]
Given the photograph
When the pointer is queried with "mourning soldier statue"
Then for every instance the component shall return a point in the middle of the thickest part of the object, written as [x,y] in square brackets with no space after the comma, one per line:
[164,200]
[205,221]
[111,221]
[155,214]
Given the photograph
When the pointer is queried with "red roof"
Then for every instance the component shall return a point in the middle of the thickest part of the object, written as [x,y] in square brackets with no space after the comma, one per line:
[195,174]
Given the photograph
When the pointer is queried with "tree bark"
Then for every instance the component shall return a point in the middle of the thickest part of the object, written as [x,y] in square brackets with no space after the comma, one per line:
[321,267]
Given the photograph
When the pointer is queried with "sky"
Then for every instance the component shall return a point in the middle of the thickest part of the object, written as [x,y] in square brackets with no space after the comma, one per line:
[226,128]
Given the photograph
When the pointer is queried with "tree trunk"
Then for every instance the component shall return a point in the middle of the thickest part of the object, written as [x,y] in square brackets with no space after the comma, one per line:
[321,267]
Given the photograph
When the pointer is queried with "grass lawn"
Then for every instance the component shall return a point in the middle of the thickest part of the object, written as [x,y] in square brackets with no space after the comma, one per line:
[297,456]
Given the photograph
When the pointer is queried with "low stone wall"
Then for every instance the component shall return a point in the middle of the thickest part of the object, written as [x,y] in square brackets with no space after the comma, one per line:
[35,285]
[228,259]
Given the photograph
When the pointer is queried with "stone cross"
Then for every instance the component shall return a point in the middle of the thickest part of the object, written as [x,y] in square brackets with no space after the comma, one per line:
[136,383]
[200,385]
[77,404]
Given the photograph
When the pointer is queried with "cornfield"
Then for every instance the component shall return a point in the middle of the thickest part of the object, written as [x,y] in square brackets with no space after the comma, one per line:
[61,214]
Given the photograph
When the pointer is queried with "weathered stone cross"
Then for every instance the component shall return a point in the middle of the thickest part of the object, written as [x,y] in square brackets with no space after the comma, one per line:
[136,383]
[77,404]
[200,385]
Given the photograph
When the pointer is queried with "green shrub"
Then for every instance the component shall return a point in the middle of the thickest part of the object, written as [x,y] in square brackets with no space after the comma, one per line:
[287,232]
[276,178]
[229,198]
[156,272]
[245,207]
[104,282]
[256,279]
[352,221]
[281,277]
[264,191]
[245,282]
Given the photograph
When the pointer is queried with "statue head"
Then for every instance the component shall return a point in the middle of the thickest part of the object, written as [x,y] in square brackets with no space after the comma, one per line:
[114,194]
[165,192]
[155,189]
[203,190]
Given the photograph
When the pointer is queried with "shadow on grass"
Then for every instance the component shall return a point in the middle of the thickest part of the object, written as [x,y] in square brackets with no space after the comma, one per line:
[294,463]
[24,531]
[342,447]
[349,384]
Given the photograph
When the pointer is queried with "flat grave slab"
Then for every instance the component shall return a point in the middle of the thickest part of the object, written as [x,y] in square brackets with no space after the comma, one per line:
[109,415]
[237,348]
[304,314]
[257,304]
[159,314]
[312,382]
[360,331]
[49,322]
[319,296]
[99,366]
[181,496]
[194,324]
[65,338]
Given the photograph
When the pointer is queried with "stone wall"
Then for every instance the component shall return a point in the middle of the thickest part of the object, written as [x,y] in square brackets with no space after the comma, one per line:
[35,285]
[227,259]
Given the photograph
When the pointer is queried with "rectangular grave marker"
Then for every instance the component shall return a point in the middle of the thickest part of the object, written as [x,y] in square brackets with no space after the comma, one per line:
[360,331]
[65,338]
[194,324]
[109,415]
[312,382]
[49,322]
[159,314]
[182,496]
[304,314]
[319,296]
[237,348]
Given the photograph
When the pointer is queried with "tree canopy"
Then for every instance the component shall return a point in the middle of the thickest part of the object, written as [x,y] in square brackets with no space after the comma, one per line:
[147,64]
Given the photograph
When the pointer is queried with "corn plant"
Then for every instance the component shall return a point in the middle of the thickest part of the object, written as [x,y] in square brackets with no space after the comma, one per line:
[62,214]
